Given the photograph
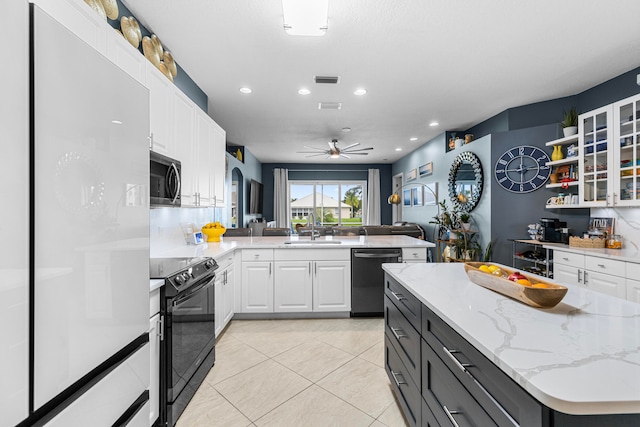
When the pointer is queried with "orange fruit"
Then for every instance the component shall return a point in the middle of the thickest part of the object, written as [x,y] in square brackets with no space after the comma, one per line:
[523,282]
[541,285]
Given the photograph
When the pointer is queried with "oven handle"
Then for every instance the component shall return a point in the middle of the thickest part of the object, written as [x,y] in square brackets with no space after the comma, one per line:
[179,300]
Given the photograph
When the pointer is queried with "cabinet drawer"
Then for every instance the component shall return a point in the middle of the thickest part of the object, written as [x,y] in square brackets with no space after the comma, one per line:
[403,386]
[499,396]
[404,338]
[568,258]
[414,254]
[224,261]
[304,254]
[633,271]
[406,302]
[605,265]
[446,397]
[257,255]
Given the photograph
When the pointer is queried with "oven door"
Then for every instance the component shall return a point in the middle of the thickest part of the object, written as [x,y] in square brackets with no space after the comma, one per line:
[190,333]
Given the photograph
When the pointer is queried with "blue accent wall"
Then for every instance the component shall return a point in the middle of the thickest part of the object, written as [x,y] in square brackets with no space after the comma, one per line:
[182,80]
[318,172]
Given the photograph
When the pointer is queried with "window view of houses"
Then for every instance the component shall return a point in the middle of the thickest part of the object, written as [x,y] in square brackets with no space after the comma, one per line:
[331,203]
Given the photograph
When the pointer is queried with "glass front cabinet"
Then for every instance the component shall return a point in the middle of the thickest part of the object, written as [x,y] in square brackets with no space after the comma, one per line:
[610,155]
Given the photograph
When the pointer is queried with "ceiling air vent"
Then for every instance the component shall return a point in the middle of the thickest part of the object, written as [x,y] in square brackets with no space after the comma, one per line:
[329,105]
[333,80]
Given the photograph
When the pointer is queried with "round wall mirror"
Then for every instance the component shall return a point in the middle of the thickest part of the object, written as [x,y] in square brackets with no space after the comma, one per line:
[465,181]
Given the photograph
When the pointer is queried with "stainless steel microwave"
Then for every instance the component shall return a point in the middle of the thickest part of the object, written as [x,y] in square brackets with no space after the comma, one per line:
[165,183]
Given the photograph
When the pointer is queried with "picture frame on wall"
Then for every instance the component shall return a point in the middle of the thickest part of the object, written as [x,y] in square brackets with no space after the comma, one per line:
[416,196]
[406,198]
[411,175]
[430,199]
[426,169]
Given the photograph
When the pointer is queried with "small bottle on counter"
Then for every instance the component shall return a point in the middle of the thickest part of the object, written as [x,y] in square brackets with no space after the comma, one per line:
[614,242]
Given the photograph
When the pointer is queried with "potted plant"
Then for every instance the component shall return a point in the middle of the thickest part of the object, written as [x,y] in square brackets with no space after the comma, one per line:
[447,221]
[570,122]
[465,221]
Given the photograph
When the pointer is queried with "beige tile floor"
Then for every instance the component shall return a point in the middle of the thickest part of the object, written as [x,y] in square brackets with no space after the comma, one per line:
[311,372]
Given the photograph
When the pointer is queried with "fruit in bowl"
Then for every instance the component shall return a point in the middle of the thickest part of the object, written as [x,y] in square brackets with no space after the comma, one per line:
[515,276]
[213,231]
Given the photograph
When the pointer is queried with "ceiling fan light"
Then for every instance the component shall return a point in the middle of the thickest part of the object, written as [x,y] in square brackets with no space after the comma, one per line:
[335,155]
[305,17]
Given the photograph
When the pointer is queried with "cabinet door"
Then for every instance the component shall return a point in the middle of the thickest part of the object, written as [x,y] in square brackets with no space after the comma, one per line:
[218,163]
[605,283]
[228,295]
[332,286]
[633,290]
[219,302]
[292,286]
[186,149]
[154,368]
[203,161]
[125,56]
[596,162]
[627,152]
[567,274]
[160,110]
[257,287]
[80,19]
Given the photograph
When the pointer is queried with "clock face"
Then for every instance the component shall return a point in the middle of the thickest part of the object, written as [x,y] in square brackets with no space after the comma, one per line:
[522,169]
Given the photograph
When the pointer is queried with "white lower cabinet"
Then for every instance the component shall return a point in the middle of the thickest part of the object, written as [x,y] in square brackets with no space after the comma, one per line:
[224,293]
[257,281]
[596,273]
[293,286]
[414,255]
[332,286]
[633,290]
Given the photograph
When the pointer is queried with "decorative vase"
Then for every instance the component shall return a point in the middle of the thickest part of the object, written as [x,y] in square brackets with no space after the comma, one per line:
[466,226]
[570,130]
[554,178]
[557,153]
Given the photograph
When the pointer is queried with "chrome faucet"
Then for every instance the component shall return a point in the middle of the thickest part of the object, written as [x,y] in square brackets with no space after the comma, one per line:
[313,226]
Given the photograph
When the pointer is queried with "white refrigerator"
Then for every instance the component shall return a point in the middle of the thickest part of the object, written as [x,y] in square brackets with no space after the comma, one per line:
[89,234]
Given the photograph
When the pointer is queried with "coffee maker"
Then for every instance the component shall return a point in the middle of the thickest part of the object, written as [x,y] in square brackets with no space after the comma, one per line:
[554,230]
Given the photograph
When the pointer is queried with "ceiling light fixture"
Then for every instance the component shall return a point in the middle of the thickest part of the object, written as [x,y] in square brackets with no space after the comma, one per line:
[116,122]
[432,124]
[360,92]
[398,149]
[245,90]
[304,91]
[346,129]
[413,138]
[305,17]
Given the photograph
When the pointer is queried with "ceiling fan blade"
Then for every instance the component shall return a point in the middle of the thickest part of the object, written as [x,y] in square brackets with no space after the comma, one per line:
[358,149]
[316,152]
[344,155]
[314,148]
[349,146]
[332,145]
[351,153]
[316,155]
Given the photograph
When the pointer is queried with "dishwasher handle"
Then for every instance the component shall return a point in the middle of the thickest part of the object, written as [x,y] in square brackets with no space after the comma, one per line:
[377,255]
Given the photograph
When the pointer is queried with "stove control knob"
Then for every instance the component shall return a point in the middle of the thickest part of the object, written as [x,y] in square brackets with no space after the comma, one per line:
[209,264]
[186,277]
[179,279]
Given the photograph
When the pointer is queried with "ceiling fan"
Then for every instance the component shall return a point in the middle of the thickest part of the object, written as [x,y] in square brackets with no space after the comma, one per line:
[335,152]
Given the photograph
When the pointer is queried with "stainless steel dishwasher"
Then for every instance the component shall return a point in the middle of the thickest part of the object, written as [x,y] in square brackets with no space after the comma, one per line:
[367,279]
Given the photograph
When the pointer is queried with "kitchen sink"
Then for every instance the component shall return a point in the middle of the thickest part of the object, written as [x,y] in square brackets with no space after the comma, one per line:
[313,242]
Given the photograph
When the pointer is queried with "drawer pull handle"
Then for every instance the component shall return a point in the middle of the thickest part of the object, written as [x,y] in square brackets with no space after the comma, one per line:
[566,259]
[450,415]
[462,366]
[395,378]
[601,266]
[399,297]
[396,334]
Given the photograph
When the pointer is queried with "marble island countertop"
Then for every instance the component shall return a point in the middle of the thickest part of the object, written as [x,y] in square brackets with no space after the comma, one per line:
[216,249]
[580,357]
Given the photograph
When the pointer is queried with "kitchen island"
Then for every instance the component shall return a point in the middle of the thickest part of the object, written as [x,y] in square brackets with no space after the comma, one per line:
[575,364]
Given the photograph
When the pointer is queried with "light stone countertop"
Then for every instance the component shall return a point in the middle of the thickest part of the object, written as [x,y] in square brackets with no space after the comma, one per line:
[228,245]
[580,357]
[628,254]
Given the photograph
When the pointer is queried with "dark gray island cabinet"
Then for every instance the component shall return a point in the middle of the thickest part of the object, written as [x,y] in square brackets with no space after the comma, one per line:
[441,379]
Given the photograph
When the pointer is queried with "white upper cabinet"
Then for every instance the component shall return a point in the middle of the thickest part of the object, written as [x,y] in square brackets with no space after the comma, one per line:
[128,58]
[626,147]
[161,92]
[185,147]
[78,17]
[205,153]
[218,163]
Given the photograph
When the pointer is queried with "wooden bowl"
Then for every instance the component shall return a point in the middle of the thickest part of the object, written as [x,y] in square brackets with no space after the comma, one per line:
[542,294]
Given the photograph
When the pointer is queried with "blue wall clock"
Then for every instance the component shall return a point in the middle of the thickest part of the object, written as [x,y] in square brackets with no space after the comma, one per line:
[522,169]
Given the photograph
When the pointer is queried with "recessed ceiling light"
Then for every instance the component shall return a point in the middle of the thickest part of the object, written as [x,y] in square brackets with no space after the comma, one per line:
[245,90]
[360,91]
[413,139]
[398,149]
[116,122]
[304,91]
[432,124]
[346,129]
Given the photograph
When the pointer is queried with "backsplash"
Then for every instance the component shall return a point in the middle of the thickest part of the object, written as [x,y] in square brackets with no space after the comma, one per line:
[627,223]
[165,231]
